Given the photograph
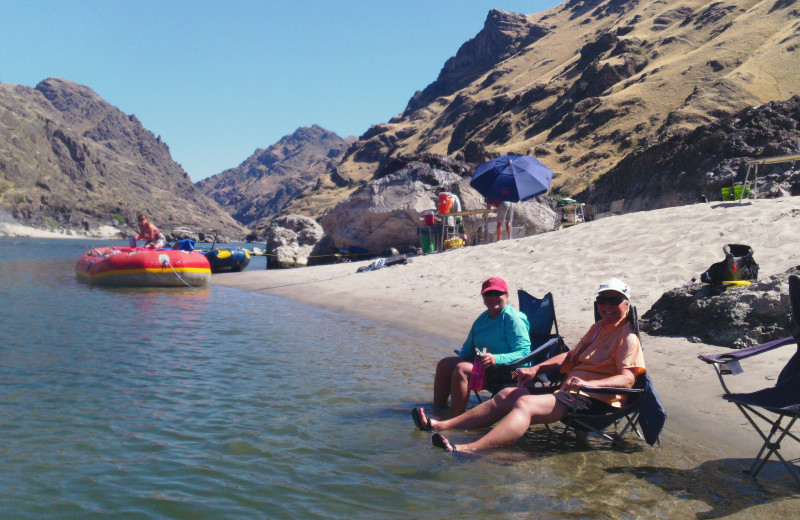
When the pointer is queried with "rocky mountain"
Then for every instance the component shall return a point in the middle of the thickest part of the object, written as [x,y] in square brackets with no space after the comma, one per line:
[584,84]
[67,155]
[263,185]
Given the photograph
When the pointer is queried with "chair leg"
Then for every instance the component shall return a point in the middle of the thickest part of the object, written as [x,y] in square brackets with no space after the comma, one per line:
[771,445]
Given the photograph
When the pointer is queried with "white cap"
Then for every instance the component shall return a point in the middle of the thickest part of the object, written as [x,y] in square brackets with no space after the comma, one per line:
[616,285]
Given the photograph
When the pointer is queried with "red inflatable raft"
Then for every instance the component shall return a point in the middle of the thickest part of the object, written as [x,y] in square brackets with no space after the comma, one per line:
[140,267]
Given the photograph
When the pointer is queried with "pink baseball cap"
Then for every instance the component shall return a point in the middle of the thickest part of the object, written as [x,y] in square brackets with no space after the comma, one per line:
[495,283]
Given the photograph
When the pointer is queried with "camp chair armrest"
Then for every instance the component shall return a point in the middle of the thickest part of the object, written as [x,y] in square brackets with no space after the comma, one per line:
[525,359]
[611,389]
[736,355]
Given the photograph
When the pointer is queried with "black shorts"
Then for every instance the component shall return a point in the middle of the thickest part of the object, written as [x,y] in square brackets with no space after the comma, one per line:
[582,403]
[500,376]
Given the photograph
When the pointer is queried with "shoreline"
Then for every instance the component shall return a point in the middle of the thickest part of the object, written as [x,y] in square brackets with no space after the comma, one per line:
[438,294]
[15,230]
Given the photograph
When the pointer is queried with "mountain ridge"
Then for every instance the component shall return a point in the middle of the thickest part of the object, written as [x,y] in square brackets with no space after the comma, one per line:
[68,157]
[264,183]
[595,81]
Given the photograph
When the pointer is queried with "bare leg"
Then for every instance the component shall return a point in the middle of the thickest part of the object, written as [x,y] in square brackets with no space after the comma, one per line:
[485,414]
[499,230]
[528,409]
[508,229]
[447,377]
[459,388]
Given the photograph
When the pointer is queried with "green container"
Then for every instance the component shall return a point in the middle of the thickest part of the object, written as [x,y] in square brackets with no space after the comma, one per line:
[727,193]
[737,192]
[427,244]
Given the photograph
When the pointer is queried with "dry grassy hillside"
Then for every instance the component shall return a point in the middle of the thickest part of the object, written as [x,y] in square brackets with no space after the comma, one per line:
[585,83]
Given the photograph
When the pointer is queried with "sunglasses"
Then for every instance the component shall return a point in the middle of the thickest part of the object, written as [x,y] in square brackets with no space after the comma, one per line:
[142,219]
[493,294]
[613,300]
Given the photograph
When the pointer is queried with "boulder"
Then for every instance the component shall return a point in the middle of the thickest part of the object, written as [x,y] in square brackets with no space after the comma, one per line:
[736,317]
[386,212]
[290,241]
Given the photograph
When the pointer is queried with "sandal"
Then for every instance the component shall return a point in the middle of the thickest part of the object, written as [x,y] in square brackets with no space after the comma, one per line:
[440,441]
[420,419]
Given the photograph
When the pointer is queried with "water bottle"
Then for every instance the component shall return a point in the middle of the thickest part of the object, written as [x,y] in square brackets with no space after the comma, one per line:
[476,377]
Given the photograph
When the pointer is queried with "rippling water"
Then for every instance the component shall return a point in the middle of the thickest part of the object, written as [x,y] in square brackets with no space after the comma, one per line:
[218,403]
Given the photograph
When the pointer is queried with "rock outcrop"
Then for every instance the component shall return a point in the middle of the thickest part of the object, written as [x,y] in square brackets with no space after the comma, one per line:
[736,317]
[681,169]
[290,241]
[386,212]
[69,159]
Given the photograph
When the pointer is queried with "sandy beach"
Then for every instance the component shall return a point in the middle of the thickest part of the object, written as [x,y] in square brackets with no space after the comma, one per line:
[654,251]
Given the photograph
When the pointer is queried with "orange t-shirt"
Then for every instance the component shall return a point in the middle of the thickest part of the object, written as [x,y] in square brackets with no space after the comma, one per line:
[605,351]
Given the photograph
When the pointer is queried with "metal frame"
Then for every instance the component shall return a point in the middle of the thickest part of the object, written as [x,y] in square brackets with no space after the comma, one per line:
[777,431]
[755,163]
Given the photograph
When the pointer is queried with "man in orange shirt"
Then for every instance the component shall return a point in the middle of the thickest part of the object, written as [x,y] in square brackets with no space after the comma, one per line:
[608,355]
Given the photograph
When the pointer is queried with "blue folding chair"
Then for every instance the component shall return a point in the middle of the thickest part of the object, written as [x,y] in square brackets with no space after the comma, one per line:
[545,342]
[777,406]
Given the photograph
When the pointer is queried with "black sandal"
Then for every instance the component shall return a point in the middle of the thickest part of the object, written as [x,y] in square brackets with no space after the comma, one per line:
[421,420]
[440,441]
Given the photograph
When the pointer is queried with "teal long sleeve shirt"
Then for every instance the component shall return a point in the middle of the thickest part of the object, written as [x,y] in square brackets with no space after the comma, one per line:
[505,336]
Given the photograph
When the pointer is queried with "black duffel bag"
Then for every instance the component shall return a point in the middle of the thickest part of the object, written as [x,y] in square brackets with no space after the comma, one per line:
[738,265]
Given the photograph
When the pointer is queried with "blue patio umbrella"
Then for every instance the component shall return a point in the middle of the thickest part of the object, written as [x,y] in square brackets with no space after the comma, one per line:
[512,178]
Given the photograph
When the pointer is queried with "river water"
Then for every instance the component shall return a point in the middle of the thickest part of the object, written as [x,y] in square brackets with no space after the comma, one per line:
[218,403]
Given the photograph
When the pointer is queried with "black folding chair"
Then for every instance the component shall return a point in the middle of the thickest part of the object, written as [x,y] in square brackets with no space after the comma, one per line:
[642,411]
[777,406]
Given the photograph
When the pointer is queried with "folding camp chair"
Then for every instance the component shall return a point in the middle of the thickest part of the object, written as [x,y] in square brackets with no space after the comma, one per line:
[545,343]
[641,413]
[772,405]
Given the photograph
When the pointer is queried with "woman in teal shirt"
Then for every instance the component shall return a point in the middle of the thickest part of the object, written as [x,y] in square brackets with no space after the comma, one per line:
[501,330]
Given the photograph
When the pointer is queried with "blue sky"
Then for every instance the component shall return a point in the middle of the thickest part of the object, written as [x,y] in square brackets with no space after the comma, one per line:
[217,80]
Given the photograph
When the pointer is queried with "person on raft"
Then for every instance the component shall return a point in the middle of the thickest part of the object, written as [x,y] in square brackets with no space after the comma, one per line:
[148,232]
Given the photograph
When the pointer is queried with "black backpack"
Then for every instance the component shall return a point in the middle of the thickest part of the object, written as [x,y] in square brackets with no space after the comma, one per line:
[738,265]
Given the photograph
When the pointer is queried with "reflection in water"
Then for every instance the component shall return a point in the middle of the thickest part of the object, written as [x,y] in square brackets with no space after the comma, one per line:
[718,483]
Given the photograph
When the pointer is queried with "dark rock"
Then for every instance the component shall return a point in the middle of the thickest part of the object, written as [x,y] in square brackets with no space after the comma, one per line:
[736,317]
[340,179]
[705,160]
[435,161]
